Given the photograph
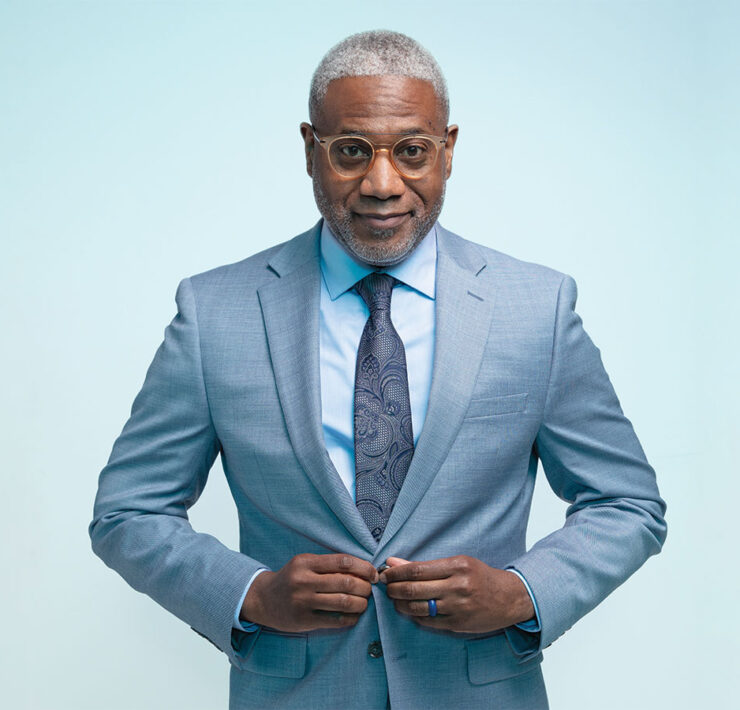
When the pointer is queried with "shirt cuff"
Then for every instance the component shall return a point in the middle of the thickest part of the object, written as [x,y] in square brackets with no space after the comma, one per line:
[532,625]
[246,625]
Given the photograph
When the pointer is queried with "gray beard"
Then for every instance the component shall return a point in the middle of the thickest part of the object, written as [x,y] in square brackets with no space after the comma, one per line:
[379,254]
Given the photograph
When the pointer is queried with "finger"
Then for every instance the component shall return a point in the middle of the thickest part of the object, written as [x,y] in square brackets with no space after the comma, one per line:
[433,569]
[391,562]
[395,561]
[342,583]
[342,603]
[347,564]
[435,589]
[417,608]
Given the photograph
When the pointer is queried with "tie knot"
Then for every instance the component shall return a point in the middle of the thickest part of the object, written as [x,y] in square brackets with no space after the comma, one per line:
[375,289]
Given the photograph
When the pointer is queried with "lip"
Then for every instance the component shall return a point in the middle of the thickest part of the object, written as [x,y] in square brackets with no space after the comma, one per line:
[383,221]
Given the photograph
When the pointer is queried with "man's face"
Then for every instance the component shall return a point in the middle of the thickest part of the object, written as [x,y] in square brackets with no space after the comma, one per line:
[381,217]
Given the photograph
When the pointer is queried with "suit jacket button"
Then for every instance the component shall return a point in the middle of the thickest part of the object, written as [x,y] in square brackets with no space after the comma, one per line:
[375,650]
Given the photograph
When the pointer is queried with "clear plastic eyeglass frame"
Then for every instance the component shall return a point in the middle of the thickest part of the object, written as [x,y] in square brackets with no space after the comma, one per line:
[355,166]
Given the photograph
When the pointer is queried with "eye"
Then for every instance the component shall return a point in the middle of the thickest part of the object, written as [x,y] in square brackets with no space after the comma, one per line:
[413,151]
[353,150]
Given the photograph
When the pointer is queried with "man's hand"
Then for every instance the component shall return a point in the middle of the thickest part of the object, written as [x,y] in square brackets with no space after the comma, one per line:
[470,595]
[311,592]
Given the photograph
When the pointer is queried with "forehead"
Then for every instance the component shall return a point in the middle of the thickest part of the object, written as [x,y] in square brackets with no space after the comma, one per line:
[380,104]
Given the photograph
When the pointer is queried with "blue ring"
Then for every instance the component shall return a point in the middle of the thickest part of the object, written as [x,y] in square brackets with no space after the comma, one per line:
[432,607]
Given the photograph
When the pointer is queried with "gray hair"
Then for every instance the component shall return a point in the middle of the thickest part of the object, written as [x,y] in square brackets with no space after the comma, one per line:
[377,53]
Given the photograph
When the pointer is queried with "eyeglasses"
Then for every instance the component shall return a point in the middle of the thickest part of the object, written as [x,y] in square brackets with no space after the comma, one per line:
[352,156]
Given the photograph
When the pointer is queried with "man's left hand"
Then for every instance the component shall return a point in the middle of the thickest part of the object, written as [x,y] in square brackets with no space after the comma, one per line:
[470,595]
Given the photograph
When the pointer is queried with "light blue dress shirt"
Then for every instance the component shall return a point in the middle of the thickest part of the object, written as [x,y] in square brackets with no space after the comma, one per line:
[343,315]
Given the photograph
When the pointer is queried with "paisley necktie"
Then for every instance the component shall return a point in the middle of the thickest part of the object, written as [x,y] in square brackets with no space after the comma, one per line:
[384,438]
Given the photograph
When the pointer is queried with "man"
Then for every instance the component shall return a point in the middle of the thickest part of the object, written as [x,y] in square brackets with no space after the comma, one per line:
[380,391]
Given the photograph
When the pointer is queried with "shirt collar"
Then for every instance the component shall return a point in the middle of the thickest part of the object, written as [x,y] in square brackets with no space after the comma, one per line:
[341,271]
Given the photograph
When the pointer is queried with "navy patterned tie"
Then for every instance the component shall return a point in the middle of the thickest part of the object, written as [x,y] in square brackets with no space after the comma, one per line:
[384,438]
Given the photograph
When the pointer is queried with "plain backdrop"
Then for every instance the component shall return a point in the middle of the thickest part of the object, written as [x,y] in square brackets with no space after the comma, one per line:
[141,142]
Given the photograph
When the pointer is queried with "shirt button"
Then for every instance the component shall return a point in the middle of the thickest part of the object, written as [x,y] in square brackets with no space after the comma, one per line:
[375,650]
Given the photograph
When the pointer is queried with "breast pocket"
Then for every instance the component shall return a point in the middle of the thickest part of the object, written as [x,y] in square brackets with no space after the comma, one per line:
[497,406]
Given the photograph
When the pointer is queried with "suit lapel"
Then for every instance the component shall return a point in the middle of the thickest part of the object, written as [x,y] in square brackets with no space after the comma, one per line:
[464,310]
[290,309]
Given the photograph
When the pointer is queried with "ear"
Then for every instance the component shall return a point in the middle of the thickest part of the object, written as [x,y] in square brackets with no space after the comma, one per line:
[309,145]
[452,132]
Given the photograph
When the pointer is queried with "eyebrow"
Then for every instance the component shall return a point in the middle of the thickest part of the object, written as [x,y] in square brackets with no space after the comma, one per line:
[355,132]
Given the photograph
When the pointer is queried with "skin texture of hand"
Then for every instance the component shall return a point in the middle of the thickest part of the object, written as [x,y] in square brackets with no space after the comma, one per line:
[470,595]
[311,592]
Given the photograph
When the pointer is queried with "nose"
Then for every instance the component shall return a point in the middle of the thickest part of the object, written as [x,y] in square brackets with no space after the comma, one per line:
[383,180]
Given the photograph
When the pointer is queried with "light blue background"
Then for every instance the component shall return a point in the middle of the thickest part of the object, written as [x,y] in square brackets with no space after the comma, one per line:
[142,142]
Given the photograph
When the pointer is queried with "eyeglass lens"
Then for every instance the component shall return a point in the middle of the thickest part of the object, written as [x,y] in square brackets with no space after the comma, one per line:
[412,156]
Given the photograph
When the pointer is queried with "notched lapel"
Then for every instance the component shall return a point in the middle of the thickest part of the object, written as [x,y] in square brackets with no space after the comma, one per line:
[290,309]
[464,310]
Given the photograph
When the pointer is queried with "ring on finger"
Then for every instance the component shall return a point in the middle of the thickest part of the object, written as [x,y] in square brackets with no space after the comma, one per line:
[432,604]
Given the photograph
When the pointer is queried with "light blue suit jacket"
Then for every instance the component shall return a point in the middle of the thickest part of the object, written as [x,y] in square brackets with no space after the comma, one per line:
[516,379]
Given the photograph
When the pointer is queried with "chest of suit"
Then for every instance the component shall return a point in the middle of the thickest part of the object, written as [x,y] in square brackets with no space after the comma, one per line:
[487,468]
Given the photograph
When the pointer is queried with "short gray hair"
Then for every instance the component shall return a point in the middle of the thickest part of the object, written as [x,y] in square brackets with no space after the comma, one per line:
[377,53]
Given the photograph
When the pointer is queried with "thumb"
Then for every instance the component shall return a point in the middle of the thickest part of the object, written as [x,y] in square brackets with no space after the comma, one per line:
[392,562]
[395,561]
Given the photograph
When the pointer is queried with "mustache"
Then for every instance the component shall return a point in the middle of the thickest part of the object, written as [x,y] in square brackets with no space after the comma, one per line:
[381,253]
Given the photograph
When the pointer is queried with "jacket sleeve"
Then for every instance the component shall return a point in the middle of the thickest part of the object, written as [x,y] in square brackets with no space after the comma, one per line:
[592,460]
[156,472]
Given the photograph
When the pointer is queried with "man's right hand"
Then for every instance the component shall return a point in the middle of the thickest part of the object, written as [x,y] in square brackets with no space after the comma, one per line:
[311,592]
